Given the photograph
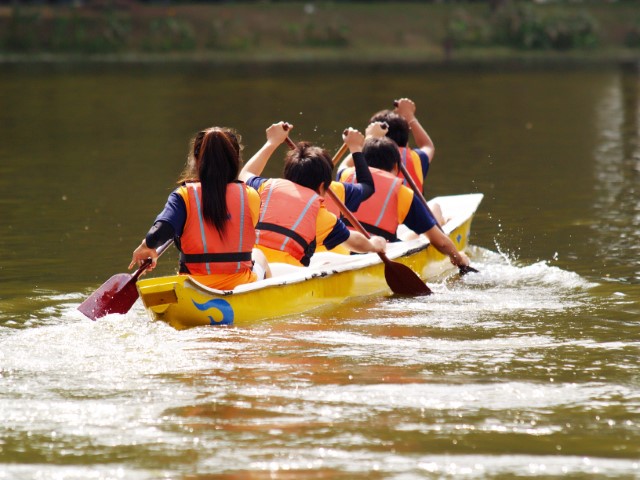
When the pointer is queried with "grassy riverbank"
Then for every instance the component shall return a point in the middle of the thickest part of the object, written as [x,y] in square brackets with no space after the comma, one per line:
[341,32]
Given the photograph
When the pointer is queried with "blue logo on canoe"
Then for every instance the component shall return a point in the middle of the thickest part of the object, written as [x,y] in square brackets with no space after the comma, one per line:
[222,306]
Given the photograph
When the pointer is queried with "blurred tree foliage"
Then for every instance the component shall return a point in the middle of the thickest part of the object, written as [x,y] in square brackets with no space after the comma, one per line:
[282,27]
[518,25]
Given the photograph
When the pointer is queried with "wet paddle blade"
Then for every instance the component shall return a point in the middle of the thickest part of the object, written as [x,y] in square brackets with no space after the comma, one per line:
[116,295]
[467,269]
[404,281]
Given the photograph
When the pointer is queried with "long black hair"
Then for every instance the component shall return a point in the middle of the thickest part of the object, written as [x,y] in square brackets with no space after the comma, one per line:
[214,160]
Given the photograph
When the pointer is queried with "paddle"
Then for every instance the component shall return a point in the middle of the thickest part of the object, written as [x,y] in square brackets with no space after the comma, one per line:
[118,294]
[416,191]
[339,154]
[400,278]
[343,149]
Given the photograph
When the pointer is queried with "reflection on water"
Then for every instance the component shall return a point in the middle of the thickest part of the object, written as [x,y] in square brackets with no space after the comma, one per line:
[526,369]
[617,171]
[511,371]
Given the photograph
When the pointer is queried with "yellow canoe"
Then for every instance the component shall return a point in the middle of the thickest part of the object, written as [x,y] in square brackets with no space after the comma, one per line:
[329,280]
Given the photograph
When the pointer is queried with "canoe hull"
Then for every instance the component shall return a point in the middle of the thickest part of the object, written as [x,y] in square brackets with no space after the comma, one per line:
[184,303]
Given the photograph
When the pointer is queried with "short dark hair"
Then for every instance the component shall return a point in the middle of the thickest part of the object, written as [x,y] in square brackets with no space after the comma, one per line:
[381,153]
[309,166]
[398,127]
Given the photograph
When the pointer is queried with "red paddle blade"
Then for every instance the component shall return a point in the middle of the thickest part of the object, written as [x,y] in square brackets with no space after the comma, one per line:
[404,281]
[116,295]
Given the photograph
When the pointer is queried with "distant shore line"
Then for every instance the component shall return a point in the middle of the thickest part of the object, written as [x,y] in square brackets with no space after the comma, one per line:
[524,62]
[505,34]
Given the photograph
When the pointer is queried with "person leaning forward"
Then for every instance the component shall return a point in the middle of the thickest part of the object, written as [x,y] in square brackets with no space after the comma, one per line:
[393,204]
[351,194]
[402,123]
[211,217]
[293,217]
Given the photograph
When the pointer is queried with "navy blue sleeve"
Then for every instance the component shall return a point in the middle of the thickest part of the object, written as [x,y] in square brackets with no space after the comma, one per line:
[159,233]
[419,219]
[174,213]
[353,196]
[256,182]
[424,161]
[338,235]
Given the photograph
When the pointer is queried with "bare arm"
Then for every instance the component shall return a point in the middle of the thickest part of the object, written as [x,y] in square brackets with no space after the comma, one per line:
[407,109]
[276,135]
[357,242]
[444,245]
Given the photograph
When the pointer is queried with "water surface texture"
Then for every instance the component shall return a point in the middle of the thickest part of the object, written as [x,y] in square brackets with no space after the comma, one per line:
[528,369]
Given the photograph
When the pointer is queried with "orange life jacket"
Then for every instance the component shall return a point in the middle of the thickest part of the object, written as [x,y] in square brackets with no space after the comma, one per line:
[411,161]
[288,217]
[203,251]
[378,214]
[339,190]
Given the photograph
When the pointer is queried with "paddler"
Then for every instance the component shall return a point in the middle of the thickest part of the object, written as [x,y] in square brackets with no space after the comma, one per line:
[211,216]
[394,204]
[293,217]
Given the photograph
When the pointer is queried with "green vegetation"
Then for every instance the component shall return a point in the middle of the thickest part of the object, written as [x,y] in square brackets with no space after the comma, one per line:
[411,31]
[521,26]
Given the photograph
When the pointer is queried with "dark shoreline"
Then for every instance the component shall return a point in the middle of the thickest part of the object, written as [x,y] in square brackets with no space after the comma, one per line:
[336,36]
[629,63]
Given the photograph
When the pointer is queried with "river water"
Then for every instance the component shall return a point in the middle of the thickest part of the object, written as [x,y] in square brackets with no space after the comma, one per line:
[529,368]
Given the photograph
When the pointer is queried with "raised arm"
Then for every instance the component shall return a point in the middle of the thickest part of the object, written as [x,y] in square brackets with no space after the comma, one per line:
[376,130]
[276,135]
[407,109]
[355,142]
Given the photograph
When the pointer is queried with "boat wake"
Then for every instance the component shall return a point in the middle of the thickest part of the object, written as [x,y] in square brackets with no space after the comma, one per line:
[504,292]
[513,352]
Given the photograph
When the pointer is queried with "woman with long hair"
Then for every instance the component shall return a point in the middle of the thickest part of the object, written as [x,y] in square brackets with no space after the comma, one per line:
[211,216]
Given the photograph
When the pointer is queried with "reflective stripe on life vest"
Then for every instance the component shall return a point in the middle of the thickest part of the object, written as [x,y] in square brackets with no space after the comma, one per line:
[339,190]
[288,217]
[379,213]
[203,250]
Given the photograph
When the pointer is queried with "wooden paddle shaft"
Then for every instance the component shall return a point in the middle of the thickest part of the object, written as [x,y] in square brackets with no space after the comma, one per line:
[347,213]
[417,191]
[339,154]
[336,158]
[354,221]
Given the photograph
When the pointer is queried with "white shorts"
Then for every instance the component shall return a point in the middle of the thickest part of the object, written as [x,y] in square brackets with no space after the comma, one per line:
[259,271]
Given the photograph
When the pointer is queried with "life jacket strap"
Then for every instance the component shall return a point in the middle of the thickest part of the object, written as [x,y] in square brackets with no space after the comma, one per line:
[215,257]
[272,227]
[372,229]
